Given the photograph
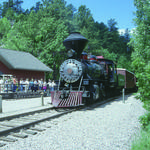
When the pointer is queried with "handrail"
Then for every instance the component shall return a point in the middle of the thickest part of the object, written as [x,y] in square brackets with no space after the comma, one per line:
[7,88]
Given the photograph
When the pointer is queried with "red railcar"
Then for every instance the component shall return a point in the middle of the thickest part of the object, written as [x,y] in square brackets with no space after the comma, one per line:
[126,79]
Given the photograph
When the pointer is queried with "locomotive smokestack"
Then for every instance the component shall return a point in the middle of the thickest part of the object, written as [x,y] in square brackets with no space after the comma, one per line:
[75,41]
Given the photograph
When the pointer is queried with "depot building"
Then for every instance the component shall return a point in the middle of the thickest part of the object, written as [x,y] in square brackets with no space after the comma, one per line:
[22,65]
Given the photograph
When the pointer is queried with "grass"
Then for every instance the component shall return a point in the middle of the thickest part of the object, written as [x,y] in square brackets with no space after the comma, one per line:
[142,142]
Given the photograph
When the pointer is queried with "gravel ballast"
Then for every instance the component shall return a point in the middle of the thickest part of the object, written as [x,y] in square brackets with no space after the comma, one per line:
[111,126]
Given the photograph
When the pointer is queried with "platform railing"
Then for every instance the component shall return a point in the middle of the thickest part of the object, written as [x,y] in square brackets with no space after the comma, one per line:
[10,91]
[13,88]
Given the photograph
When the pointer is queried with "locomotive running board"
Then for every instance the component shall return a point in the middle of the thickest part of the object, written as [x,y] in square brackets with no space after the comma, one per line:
[74,99]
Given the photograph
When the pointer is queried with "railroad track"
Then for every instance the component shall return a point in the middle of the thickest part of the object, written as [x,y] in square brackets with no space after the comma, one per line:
[20,126]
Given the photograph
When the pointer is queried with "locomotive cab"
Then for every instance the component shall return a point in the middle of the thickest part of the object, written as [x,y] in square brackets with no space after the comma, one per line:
[110,71]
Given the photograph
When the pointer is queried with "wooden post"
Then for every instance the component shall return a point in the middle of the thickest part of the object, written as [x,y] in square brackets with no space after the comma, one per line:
[42,99]
[123,92]
[0,103]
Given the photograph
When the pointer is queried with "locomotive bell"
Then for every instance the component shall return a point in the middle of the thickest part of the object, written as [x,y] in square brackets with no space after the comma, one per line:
[76,42]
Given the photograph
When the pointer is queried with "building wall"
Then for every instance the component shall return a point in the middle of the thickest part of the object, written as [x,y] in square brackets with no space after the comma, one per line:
[21,73]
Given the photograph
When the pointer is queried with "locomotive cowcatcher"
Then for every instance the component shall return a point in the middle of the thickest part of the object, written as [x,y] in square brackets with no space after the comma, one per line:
[84,79]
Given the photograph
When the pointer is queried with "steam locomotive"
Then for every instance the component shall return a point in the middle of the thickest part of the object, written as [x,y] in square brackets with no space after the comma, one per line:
[84,78]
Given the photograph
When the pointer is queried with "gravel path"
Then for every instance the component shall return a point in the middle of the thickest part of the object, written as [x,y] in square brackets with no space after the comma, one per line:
[111,126]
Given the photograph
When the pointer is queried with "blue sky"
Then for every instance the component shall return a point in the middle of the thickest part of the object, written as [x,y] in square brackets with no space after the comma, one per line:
[103,10]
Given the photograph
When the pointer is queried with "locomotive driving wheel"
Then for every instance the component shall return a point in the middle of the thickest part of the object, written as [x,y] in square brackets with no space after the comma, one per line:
[95,94]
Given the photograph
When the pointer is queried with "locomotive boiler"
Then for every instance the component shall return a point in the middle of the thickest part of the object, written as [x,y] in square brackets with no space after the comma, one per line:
[83,79]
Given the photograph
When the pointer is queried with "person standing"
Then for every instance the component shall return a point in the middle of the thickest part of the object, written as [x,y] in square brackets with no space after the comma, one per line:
[21,84]
[6,84]
[40,82]
[1,85]
[53,85]
[44,86]
[31,84]
[35,85]
[26,85]
[9,83]
[50,86]
[14,84]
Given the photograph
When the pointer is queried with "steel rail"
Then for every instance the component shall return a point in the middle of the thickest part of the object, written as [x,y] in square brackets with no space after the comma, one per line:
[30,123]
[9,117]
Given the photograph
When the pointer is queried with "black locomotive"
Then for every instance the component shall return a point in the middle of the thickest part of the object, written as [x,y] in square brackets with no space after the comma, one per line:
[84,78]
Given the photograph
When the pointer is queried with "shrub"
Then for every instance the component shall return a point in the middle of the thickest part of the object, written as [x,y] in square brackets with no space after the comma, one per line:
[145,120]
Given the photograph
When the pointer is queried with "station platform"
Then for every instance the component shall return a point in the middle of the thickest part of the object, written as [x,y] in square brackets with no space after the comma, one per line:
[15,107]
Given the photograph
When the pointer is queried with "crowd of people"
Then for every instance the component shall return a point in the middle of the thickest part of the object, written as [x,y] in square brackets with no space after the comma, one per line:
[11,83]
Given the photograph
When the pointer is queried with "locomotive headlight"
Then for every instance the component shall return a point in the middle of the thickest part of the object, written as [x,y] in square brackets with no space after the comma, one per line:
[70,53]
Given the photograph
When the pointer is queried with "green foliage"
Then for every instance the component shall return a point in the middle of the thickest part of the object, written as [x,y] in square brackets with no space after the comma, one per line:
[10,9]
[5,27]
[124,62]
[141,64]
[145,120]
[84,18]
[143,142]
[141,54]
[42,29]
[10,14]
